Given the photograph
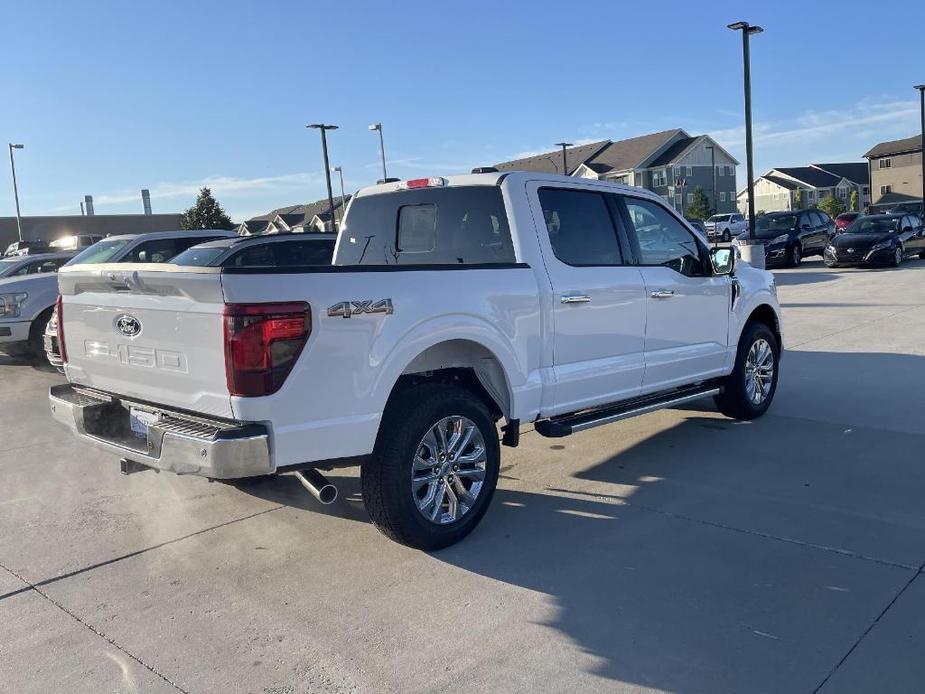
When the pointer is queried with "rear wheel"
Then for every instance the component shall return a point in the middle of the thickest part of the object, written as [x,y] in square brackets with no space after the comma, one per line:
[750,388]
[435,466]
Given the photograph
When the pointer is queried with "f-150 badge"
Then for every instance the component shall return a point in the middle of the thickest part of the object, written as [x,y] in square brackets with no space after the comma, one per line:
[345,309]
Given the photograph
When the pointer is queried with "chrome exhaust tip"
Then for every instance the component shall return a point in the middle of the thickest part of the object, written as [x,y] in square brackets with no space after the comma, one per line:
[318,485]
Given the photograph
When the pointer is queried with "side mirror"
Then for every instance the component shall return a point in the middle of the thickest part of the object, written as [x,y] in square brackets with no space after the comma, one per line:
[723,260]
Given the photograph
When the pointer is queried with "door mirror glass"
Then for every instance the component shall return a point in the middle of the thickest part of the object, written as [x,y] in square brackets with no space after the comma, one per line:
[723,260]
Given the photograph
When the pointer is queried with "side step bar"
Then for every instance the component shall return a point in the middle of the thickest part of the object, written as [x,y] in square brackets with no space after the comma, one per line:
[557,427]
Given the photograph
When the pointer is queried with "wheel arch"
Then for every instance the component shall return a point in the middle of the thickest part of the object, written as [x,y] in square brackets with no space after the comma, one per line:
[765,313]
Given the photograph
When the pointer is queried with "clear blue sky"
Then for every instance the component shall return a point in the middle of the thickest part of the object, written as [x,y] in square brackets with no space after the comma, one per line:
[111,97]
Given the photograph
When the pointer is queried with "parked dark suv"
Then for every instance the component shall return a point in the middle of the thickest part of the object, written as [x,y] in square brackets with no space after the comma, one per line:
[788,237]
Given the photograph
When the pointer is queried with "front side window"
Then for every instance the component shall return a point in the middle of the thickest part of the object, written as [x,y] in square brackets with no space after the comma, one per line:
[460,225]
[580,227]
[662,239]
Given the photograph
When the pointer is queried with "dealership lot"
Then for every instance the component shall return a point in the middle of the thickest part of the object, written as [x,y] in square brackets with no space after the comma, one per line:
[679,551]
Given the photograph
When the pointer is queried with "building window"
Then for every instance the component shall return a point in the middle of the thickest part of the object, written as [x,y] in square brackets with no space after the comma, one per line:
[677,199]
[865,190]
[886,189]
[677,172]
[886,163]
[690,198]
[690,170]
[719,170]
[722,196]
[730,171]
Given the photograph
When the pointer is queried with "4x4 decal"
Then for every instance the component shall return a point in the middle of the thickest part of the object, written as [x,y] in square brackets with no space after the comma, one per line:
[345,309]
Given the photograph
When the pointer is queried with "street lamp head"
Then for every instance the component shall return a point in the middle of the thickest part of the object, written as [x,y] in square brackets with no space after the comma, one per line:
[336,168]
[920,87]
[375,126]
[754,30]
[738,25]
[15,146]
[321,126]
[563,144]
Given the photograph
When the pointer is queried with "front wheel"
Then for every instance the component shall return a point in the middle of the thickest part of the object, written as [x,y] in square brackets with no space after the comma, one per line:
[750,388]
[727,236]
[434,468]
[897,259]
[796,256]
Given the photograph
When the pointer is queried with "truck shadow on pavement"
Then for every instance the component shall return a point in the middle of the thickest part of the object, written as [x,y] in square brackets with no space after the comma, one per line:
[38,363]
[724,556]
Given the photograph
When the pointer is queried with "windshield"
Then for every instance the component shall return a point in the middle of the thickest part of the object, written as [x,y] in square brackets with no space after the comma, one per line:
[868,225]
[198,257]
[8,266]
[768,227]
[99,252]
[719,218]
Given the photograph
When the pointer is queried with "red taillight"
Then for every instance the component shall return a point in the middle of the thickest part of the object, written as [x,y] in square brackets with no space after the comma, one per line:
[59,311]
[262,343]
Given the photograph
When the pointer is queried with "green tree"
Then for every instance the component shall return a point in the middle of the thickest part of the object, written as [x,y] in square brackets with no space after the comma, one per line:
[700,207]
[798,198]
[854,201]
[206,213]
[832,206]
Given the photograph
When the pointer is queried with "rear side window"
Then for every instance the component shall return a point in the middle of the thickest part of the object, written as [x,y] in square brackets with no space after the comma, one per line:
[163,250]
[580,227]
[284,254]
[464,225]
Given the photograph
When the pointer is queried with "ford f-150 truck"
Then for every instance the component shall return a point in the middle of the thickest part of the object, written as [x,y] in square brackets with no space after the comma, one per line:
[453,305]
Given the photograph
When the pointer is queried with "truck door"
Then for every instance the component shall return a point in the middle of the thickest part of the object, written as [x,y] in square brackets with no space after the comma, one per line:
[687,314]
[599,301]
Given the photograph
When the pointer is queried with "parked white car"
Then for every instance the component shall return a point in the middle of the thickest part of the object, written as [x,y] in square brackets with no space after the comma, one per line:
[725,227]
[452,304]
[28,288]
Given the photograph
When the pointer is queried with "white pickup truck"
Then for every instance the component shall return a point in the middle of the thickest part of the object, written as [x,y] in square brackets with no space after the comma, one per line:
[452,305]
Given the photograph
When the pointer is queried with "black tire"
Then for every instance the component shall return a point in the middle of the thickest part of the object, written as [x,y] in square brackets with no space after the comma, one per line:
[795,256]
[36,345]
[727,236]
[897,258]
[386,476]
[734,400]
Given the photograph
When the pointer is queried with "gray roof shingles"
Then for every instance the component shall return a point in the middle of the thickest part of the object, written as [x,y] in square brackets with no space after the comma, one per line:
[909,144]
[854,171]
[814,178]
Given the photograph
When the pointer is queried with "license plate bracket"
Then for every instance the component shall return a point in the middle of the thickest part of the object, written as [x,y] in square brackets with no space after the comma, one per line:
[140,421]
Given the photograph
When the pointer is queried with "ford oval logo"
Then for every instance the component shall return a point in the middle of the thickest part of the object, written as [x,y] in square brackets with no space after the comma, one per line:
[128,325]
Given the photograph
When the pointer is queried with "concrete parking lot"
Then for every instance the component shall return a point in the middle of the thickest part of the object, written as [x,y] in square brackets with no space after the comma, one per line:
[676,552]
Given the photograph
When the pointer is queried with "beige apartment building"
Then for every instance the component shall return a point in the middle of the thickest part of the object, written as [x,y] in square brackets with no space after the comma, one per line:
[896,171]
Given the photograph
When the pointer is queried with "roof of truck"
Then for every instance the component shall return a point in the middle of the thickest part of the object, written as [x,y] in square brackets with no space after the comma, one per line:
[496,177]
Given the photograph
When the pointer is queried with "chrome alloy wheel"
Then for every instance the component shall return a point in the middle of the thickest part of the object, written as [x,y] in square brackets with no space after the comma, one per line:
[759,371]
[449,470]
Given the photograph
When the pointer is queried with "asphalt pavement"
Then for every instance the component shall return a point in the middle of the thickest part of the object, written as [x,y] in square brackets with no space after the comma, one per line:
[680,551]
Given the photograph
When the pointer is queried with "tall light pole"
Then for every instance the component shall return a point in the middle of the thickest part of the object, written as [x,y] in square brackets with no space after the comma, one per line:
[327,167]
[378,126]
[15,189]
[755,252]
[921,88]
[713,169]
[563,145]
[343,198]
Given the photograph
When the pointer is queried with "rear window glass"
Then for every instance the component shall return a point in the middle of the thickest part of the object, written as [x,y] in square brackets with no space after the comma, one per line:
[431,226]
[99,252]
[198,257]
[284,254]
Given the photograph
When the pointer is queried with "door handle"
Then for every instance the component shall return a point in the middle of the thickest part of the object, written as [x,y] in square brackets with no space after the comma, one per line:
[575,299]
[662,294]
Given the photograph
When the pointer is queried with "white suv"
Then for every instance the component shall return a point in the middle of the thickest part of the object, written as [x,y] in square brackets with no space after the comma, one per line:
[724,227]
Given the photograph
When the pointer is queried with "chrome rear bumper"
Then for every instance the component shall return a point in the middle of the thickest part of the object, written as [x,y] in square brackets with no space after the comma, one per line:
[176,442]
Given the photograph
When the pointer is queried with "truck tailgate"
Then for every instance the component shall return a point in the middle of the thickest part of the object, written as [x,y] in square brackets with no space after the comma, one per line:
[152,332]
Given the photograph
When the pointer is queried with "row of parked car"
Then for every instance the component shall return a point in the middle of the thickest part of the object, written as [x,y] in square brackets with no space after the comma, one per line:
[852,239]
[29,284]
